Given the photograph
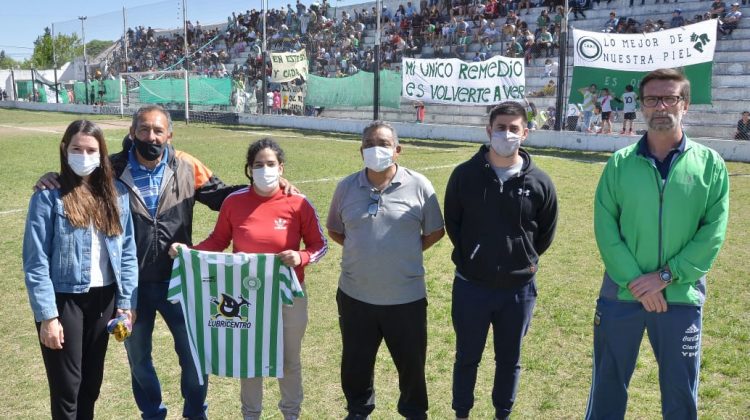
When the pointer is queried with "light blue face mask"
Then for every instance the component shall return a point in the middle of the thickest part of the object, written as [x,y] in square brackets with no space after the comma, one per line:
[83,164]
[505,143]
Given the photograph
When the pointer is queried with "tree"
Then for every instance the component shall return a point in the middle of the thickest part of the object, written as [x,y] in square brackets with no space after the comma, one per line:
[7,62]
[96,46]
[67,48]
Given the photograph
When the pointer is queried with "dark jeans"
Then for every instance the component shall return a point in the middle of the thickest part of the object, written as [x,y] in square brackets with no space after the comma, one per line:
[152,297]
[728,28]
[675,337]
[75,372]
[474,309]
[404,329]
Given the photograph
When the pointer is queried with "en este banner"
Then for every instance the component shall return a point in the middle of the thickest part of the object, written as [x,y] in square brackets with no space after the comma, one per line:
[616,60]
[293,98]
[288,66]
[455,82]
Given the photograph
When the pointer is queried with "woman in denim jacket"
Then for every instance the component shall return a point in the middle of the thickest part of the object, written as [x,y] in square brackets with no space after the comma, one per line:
[80,268]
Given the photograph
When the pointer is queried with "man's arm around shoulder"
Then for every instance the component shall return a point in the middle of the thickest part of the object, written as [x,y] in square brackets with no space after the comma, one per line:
[209,189]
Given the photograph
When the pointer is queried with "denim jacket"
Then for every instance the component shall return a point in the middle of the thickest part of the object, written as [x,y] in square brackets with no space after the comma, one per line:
[57,256]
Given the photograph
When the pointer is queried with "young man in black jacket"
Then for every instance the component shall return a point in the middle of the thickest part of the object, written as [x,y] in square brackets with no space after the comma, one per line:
[500,215]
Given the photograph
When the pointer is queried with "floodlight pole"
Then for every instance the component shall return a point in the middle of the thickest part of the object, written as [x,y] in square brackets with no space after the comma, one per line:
[85,62]
[125,37]
[54,64]
[186,61]
[562,71]
[376,75]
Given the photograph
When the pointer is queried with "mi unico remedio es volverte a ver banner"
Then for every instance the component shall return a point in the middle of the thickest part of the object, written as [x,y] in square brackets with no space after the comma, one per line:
[288,66]
[616,60]
[452,81]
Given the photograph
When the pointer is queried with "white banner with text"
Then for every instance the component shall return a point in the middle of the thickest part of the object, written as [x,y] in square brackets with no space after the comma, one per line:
[288,66]
[452,81]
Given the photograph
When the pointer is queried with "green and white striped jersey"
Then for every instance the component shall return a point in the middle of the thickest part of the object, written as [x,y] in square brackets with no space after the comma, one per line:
[232,309]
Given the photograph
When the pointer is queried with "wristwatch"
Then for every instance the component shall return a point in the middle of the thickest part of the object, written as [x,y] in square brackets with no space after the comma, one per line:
[665,275]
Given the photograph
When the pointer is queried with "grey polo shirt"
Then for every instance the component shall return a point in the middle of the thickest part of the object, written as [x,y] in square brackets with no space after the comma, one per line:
[382,256]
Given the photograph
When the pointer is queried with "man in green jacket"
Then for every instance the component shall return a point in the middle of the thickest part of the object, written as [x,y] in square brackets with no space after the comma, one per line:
[660,217]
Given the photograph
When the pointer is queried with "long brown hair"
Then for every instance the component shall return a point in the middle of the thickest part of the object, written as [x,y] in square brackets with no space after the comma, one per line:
[95,202]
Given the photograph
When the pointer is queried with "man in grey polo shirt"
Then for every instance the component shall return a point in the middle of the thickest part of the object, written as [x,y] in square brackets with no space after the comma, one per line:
[384,216]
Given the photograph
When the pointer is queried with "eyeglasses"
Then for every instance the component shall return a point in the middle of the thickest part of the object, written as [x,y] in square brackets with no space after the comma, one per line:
[653,101]
[374,206]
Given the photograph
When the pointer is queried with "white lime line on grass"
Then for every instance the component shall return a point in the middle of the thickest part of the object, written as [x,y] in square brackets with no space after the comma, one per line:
[4,212]
[106,126]
[296,136]
[43,130]
[263,133]
[310,181]
[304,181]
[426,168]
[539,156]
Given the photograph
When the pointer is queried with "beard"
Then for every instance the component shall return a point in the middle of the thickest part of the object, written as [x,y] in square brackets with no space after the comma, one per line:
[663,121]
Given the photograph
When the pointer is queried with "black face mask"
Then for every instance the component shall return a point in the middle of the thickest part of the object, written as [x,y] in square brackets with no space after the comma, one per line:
[149,151]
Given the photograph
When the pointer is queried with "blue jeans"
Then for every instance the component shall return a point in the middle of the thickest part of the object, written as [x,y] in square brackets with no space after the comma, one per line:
[475,308]
[675,337]
[152,297]
[587,115]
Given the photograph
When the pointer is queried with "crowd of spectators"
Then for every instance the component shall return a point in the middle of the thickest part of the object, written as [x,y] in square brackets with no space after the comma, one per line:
[465,29]
[149,51]
[728,19]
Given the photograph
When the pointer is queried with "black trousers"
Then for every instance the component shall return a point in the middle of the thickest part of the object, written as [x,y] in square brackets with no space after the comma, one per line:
[404,329]
[75,372]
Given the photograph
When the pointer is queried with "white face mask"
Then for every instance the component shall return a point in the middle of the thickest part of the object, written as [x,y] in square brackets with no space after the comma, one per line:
[266,179]
[505,143]
[378,158]
[82,164]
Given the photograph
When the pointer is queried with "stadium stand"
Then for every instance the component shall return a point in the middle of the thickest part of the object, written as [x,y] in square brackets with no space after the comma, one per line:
[731,71]
[340,42]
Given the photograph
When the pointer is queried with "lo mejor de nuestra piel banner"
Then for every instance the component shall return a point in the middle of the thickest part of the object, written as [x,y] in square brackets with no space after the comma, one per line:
[616,60]
[455,82]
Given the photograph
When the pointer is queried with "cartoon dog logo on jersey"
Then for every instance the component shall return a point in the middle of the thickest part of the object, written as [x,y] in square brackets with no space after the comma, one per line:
[229,307]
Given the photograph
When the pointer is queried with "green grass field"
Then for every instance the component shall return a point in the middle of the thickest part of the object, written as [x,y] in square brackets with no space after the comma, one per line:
[557,352]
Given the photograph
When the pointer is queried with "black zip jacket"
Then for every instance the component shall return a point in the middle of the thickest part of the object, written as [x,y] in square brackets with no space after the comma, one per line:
[185,180]
[499,230]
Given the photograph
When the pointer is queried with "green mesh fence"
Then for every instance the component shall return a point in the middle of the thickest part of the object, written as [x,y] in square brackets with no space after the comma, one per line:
[354,90]
[79,92]
[106,91]
[46,93]
[24,89]
[203,91]
[64,96]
